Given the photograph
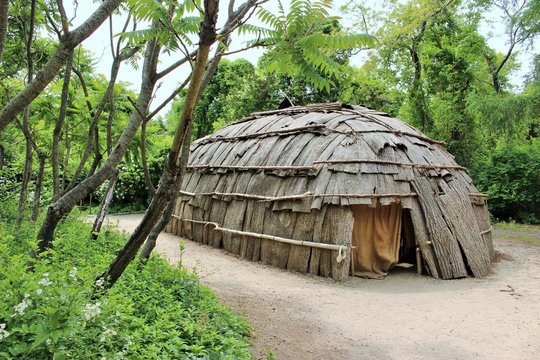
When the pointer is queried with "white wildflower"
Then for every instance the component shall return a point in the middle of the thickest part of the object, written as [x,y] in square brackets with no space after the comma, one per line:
[128,343]
[3,333]
[90,311]
[19,309]
[99,283]
[106,334]
[48,342]
[73,273]
[39,291]
[103,358]
[45,281]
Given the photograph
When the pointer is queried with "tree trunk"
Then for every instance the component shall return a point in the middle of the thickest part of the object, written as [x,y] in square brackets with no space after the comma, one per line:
[42,158]
[416,93]
[100,217]
[27,172]
[150,243]
[58,128]
[54,64]
[67,201]
[147,179]
[2,155]
[66,156]
[4,9]
[211,69]
[165,190]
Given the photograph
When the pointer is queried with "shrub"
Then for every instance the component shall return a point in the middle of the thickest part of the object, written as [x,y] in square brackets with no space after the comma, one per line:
[511,177]
[154,311]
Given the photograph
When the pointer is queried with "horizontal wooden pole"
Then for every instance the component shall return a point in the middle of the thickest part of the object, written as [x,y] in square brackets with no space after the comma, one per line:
[385,162]
[280,239]
[297,197]
[251,167]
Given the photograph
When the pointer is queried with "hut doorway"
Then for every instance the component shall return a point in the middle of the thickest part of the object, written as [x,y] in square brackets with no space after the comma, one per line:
[377,238]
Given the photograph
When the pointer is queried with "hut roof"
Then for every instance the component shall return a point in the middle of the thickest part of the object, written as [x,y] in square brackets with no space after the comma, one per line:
[299,158]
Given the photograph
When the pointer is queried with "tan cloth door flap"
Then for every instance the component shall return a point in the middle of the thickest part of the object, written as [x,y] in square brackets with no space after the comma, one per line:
[376,235]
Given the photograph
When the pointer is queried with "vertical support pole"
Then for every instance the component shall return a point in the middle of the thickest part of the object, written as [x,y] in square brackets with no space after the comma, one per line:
[418,261]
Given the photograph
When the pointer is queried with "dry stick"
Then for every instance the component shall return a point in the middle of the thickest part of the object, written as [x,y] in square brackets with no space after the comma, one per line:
[270,237]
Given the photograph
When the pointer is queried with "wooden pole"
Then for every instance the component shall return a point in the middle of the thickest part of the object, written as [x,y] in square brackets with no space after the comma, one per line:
[268,237]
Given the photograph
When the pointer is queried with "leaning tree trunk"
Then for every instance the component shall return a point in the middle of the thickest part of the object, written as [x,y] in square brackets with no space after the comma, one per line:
[67,201]
[211,69]
[150,243]
[165,190]
[144,159]
[100,217]
[51,68]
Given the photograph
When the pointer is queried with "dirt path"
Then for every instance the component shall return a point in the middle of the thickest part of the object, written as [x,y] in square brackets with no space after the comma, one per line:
[404,316]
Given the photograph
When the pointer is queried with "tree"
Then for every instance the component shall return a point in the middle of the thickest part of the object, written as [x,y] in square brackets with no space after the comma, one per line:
[4,9]
[522,21]
[69,41]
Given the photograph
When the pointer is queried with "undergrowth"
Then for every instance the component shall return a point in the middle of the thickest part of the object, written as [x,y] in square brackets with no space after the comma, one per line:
[153,312]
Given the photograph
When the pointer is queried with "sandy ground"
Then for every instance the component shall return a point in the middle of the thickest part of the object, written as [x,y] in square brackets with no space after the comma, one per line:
[404,316]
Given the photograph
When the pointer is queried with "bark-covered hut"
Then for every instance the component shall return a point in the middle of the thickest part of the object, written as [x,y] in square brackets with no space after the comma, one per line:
[334,190]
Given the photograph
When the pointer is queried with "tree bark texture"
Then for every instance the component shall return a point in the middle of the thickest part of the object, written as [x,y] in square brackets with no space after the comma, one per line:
[57,132]
[42,158]
[147,179]
[150,243]
[67,201]
[100,217]
[27,172]
[4,9]
[165,190]
[68,42]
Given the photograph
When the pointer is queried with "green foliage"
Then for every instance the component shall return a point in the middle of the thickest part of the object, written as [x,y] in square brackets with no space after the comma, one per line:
[511,177]
[154,311]
[301,43]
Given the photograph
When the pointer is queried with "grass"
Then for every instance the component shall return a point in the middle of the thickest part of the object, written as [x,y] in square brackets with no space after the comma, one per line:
[529,234]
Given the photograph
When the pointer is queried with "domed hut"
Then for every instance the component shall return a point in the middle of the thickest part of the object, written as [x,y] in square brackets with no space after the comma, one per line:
[334,190]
